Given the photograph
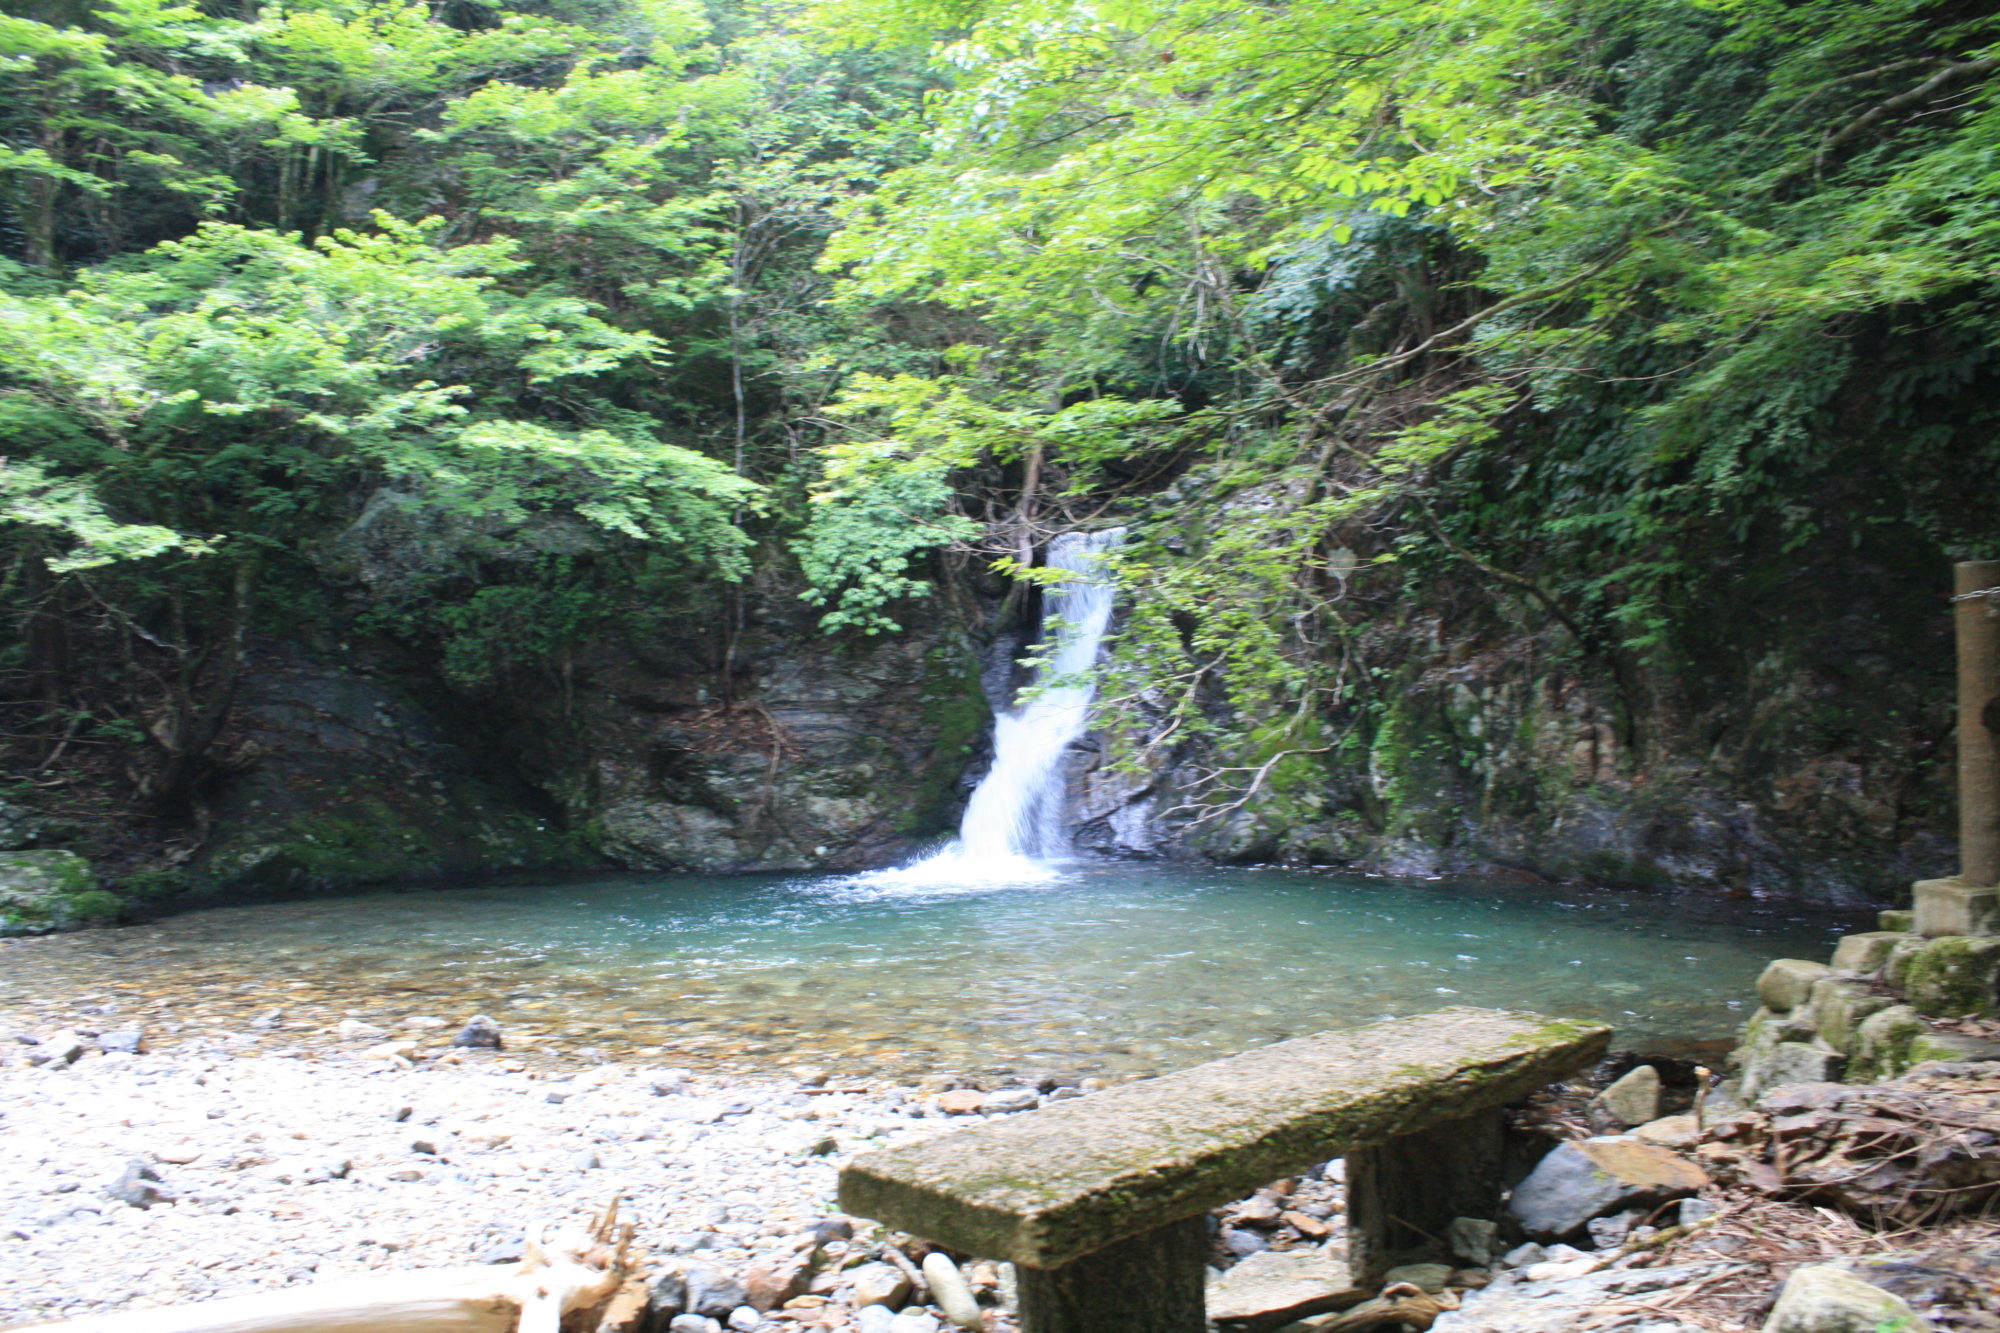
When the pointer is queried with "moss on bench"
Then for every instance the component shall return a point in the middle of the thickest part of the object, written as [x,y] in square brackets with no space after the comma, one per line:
[1046,1188]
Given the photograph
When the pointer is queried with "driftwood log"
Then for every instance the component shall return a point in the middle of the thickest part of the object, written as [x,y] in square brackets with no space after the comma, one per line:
[579,1284]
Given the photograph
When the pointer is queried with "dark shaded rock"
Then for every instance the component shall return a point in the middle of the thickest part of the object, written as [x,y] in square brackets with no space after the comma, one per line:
[357,782]
[666,1297]
[481,1033]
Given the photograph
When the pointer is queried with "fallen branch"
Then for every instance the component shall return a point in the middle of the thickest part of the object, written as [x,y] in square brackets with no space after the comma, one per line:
[566,1283]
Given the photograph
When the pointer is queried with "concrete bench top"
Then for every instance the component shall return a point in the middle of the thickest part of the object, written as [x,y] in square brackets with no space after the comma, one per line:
[1047,1187]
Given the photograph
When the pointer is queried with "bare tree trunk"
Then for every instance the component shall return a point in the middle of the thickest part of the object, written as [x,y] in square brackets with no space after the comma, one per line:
[200,710]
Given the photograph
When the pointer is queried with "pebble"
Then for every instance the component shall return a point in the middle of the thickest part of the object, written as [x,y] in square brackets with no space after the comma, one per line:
[1241,1242]
[875,1319]
[880,1284]
[951,1293]
[1008,1100]
[244,1173]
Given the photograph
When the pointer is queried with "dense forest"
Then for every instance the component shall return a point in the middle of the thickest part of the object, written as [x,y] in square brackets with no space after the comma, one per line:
[1540,427]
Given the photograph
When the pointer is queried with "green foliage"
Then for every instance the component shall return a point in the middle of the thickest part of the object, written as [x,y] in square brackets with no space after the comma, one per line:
[1576,298]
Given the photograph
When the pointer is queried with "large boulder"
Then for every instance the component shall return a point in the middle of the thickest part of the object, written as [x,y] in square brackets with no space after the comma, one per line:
[1593,1178]
[41,891]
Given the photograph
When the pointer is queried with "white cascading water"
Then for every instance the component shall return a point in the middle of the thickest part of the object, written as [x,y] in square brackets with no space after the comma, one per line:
[1013,825]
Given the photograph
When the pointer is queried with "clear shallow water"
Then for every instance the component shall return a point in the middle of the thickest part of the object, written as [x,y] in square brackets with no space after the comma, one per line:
[1118,969]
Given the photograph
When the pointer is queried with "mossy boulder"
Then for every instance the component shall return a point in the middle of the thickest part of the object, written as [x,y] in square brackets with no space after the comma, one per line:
[43,891]
[1954,976]
[1882,1043]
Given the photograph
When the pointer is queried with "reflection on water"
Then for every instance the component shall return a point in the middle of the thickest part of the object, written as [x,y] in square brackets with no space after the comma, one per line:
[1120,969]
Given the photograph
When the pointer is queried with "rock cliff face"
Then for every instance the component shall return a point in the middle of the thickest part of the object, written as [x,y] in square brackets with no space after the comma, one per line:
[1791,739]
[831,753]
[369,769]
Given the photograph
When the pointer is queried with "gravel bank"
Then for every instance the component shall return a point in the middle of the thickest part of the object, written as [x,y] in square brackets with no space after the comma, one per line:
[285,1170]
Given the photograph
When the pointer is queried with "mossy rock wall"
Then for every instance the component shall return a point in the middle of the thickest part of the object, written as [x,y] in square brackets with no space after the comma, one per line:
[1785,740]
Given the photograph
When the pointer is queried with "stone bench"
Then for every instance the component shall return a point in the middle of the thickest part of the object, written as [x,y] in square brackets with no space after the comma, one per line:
[1100,1202]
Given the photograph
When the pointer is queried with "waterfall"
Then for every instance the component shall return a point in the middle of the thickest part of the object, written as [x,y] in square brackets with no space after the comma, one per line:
[1013,825]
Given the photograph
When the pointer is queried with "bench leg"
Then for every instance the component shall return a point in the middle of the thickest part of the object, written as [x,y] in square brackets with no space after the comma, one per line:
[1154,1282]
[1403,1194]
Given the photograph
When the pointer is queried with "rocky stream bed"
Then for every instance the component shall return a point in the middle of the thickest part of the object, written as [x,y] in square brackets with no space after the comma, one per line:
[146,1169]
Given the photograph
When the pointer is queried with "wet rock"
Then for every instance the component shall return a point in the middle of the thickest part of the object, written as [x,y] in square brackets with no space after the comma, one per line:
[1634,1099]
[1824,1298]
[1595,1177]
[480,1033]
[1272,1286]
[951,1293]
[880,1284]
